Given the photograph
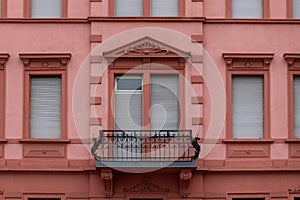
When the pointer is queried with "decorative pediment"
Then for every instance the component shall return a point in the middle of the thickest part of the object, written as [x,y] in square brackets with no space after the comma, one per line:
[146,47]
[249,61]
[44,59]
[146,186]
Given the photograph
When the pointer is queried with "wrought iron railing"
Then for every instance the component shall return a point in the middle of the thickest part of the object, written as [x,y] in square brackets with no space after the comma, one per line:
[145,145]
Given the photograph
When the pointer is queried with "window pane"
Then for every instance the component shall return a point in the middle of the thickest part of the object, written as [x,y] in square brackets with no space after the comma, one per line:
[128,103]
[247,8]
[128,8]
[297,106]
[247,106]
[296,9]
[0,8]
[129,84]
[46,8]
[164,8]
[164,102]
[45,107]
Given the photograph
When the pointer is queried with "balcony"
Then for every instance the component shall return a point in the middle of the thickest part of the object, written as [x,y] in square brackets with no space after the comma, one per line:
[145,145]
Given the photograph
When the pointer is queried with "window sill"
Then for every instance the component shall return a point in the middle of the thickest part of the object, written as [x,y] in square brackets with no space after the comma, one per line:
[3,141]
[294,140]
[43,141]
[248,141]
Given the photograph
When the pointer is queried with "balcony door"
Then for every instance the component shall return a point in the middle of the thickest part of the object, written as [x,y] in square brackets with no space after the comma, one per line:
[140,104]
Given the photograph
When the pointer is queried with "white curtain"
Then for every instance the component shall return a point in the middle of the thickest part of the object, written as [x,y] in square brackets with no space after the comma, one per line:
[297,106]
[247,106]
[296,9]
[130,8]
[247,8]
[164,102]
[46,8]
[165,8]
[45,107]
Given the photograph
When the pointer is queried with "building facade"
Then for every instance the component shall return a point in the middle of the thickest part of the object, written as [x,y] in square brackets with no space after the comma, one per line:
[111,99]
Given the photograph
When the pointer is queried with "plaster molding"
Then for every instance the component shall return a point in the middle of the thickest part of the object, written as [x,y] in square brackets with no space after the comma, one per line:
[44,58]
[146,186]
[249,60]
[291,58]
[146,47]
[107,177]
[3,59]
[185,176]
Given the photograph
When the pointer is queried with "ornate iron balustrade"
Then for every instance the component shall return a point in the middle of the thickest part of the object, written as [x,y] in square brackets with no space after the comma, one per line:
[145,145]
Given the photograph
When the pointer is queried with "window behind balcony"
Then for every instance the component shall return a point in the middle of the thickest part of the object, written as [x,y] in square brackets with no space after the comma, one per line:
[46,8]
[130,97]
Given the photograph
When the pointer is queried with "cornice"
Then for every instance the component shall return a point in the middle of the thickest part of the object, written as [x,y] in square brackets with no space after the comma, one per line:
[27,58]
[146,19]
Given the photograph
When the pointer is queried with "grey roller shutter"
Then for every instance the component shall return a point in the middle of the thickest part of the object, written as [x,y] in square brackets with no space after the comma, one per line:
[45,107]
[297,106]
[247,8]
[247,106]
[296,9]
[46,8]
[129,8]
[165,8]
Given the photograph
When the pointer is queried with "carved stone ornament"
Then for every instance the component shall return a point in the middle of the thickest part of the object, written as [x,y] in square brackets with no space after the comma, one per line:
[290,58]
[146,47]
[107,177]
[3,59]
[146,186]
[248,58]
[185,176]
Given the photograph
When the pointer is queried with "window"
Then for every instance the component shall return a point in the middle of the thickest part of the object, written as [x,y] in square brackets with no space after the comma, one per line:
[155,8]
[247,95]
[247,106]
[293,62]
[249,9]
[3,8]
[46,8]
[296,9]
[45,96]
[296,92]
[163,98]
[45,107]
[3,58]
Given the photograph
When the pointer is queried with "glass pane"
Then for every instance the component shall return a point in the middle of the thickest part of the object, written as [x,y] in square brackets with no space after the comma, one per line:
[247,9]
[0,8]
[129,8]
[129,84]
[45,107]
[247,106]
[165,8]
[296,9]
[46,8]
[297,106]
[164,102]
